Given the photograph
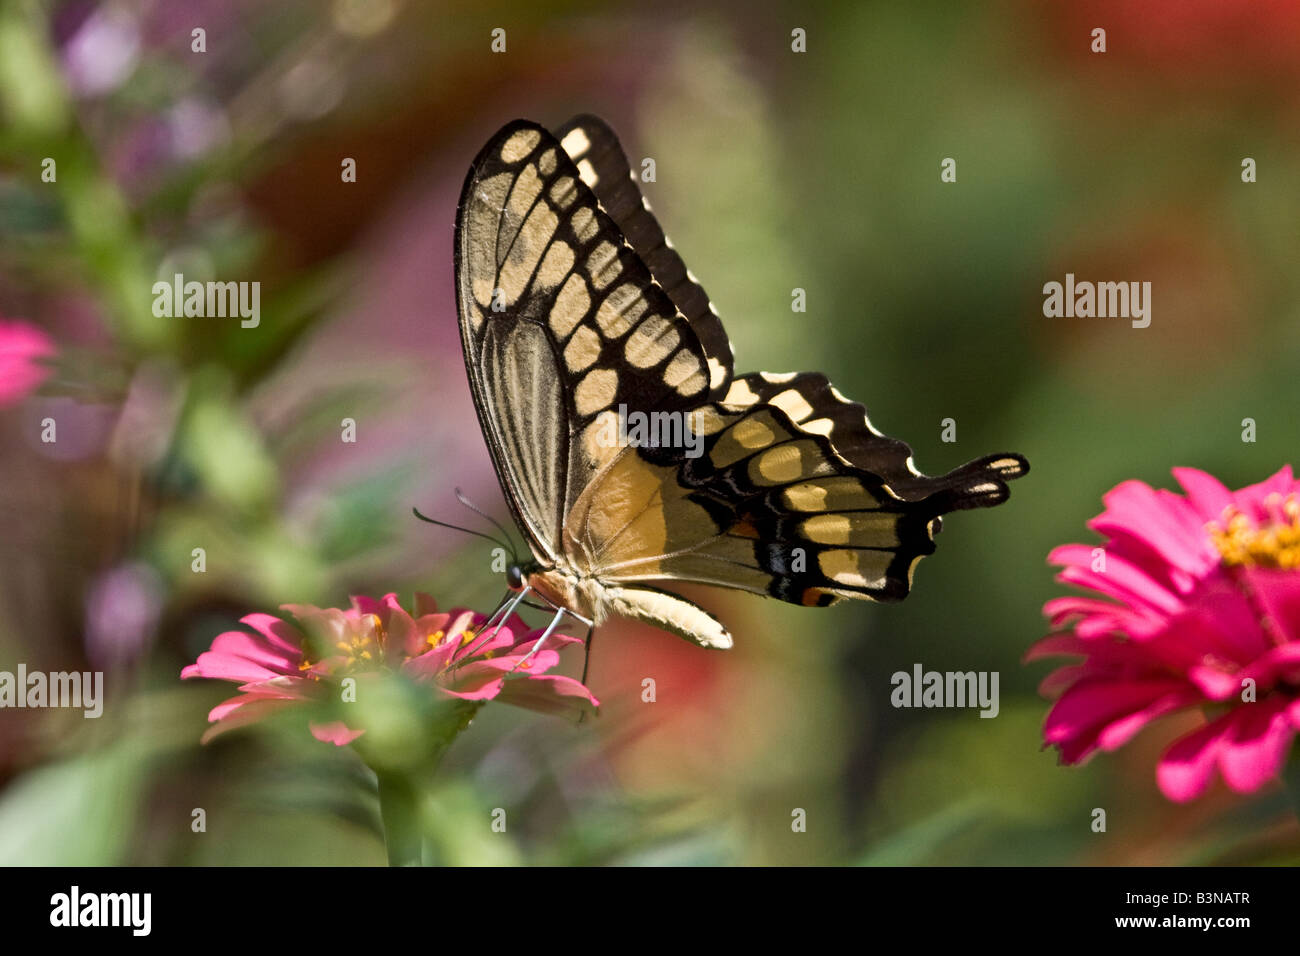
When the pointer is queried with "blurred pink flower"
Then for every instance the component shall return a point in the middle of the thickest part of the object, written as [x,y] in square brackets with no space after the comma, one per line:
[22,346]
[102,52]
[1198,606]
[277,665]
[123,606]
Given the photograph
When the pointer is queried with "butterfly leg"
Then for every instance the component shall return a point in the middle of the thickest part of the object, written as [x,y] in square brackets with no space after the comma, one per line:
[586,655]
[537,646]
[509,608]
[505,599]
[550,629]
[586,660]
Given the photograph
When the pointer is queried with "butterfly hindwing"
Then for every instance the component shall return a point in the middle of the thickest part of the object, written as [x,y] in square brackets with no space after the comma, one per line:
[817,407]
[770,505]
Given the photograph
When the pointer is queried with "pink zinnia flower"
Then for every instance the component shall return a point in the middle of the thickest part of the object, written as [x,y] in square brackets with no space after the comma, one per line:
[22,346]
[1198,607]
[285,663]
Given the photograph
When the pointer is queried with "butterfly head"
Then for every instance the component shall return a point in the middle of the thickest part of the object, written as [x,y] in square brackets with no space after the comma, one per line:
[516,575]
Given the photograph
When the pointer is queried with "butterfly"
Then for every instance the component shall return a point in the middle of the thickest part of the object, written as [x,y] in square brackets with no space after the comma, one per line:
[577,317]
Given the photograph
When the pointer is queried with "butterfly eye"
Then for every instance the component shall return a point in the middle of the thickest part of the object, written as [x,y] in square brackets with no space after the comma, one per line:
[515,577]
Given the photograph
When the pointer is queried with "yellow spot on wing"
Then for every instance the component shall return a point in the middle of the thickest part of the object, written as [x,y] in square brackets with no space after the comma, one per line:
[520,145]
[555,266]
[836,493]
[753,433]
[818,426]
[651,342]
[575,142]
[717,372]
[527,187]
[807,496]
[533,238]
[869,529]
[740,394]
[570,306]
[583,349]
[828,529]
[793,404]
[604,265]
[695,382]
[584,224]
[778,465]
[595,391]
[847,567]
[744,438]
[622,307]
[681,368]
[707,421]
[563,192]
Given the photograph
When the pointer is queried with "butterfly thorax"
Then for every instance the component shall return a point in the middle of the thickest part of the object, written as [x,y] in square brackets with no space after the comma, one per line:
[565,588]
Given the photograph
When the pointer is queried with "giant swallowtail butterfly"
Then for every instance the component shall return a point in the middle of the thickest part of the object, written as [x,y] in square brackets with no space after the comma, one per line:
[576,315]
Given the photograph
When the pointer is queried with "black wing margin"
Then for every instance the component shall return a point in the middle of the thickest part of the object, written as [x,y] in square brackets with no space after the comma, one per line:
[604,167]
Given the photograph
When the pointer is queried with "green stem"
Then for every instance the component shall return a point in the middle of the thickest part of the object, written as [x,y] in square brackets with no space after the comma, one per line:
[399,810]
[402,783]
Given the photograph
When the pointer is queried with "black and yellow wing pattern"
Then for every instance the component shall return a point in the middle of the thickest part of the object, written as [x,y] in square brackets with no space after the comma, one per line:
[576,316]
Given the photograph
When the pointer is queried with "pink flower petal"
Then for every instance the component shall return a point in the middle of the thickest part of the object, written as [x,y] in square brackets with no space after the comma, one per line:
[335,732]
[1205,492]
[1256,746]
[1079,719]
[22,347]
[278,633]
[550,694]
[249,713]
[1179,628]
[1133,508]
[1187,767]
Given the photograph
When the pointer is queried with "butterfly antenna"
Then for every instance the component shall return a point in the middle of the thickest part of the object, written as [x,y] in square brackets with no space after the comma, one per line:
[456,527]
[460,496]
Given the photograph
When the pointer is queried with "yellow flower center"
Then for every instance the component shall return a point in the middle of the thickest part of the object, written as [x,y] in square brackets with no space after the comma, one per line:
[362,648]
[1242,542]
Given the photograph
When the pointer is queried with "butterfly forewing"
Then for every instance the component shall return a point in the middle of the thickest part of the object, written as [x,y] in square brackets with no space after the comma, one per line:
[604,167]
[561,322]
